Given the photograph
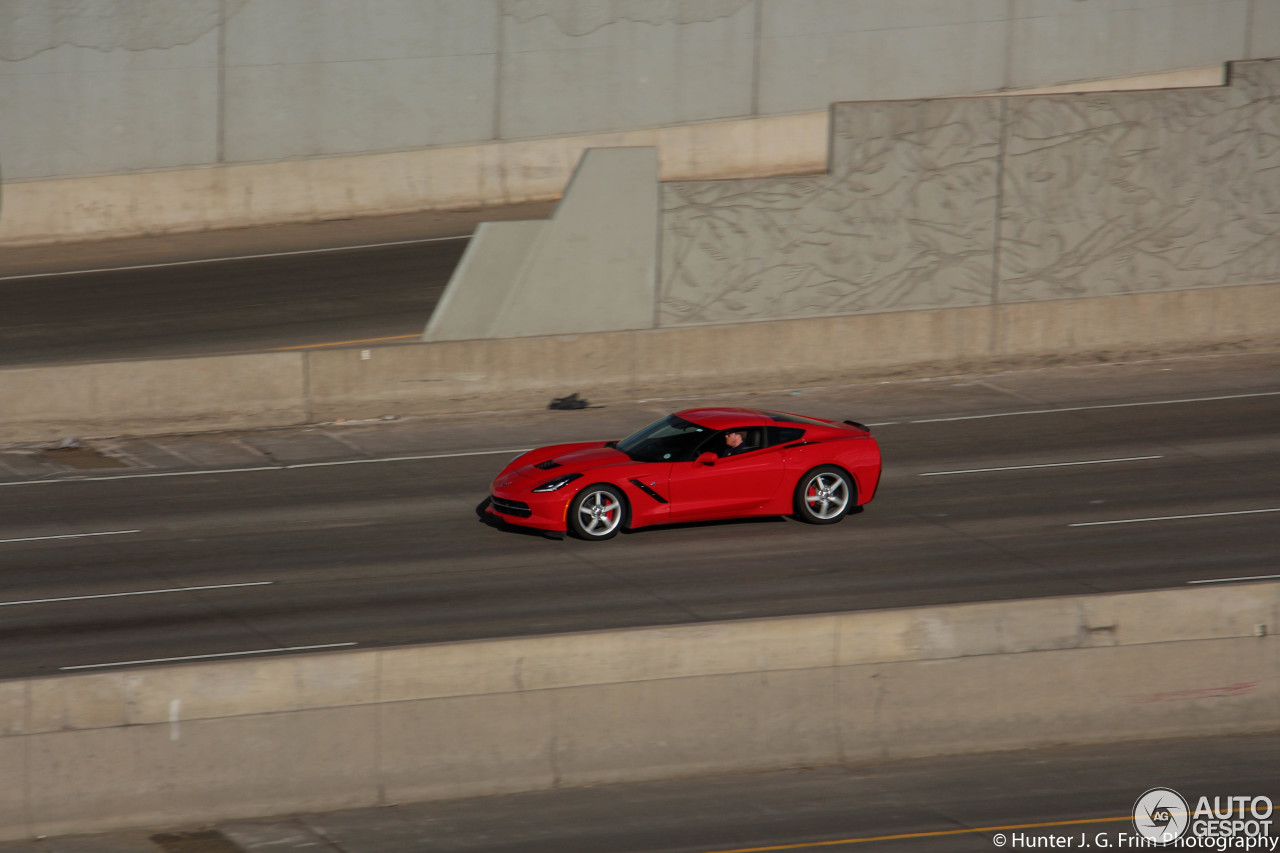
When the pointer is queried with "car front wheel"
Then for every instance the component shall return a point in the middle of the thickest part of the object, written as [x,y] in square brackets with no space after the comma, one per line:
[824,495]
[596,513]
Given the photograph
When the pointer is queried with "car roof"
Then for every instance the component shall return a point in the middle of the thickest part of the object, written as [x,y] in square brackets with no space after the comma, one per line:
[727,416]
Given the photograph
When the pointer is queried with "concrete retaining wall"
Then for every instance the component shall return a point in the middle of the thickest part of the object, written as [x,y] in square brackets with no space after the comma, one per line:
[262,92]
[213,741]
[276,389]
[442,178]
[991,200]
[926,204]
[116,86]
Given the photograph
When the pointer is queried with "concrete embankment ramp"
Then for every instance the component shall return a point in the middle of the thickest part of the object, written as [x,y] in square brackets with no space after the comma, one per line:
[211,741]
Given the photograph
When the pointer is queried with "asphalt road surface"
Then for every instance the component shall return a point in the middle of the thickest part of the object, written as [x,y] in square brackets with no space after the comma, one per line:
[1078,798]
[1048,482]
[374,280]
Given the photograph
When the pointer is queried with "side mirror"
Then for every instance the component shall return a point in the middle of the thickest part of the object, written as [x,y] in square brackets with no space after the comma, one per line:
[707,458]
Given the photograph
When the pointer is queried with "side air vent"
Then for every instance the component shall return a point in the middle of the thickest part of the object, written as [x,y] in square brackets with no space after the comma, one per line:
[648,491]
[548,464]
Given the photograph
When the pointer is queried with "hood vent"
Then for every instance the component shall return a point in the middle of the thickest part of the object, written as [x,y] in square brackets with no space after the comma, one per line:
[547,465]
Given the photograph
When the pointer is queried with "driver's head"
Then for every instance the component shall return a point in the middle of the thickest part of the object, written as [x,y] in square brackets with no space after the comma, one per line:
[733,439]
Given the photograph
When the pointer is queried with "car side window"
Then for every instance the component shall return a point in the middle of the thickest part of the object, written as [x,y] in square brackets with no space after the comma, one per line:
[784,435]
[735,441]
[739,440]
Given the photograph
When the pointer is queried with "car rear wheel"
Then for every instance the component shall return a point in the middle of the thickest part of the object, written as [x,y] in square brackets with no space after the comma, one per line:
[596,513]
[824,495]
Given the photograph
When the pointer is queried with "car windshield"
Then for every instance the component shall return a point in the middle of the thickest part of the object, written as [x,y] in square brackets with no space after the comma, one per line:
[668,440]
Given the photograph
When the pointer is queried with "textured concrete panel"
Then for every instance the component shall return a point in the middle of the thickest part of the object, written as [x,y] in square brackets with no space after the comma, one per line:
[1095,194]
[584,65]
[1127,192]
[78,110]
[1055,41]
[816,52]
[905,219]
[306,78]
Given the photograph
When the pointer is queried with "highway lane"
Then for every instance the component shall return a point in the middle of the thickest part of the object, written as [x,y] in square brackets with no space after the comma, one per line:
[232,291]
[390,552]
[229,306]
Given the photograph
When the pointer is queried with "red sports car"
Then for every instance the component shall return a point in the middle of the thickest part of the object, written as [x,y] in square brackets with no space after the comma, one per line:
[694,465]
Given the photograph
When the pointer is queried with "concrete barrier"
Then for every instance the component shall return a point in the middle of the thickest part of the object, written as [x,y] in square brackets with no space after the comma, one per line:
[279,389]
[149,397]
[214,741]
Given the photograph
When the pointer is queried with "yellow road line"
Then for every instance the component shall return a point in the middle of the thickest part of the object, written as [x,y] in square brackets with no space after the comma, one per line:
[347,343]
[935,834]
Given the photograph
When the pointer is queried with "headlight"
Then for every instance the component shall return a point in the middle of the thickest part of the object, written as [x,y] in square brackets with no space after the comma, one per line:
[557,483]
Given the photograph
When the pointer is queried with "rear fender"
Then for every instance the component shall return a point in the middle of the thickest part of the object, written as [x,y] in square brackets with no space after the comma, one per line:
[858,455]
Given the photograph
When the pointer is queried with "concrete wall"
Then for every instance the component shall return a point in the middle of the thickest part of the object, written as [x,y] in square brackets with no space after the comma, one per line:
[592,267]
[444,178]
[228,392]
[212,741]
[927,204]
[97,88]
[989,200]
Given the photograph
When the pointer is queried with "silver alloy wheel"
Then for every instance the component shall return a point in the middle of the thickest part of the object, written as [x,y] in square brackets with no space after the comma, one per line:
[599,513]
[826,495]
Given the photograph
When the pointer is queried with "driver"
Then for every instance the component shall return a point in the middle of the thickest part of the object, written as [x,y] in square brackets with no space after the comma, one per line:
[734,443]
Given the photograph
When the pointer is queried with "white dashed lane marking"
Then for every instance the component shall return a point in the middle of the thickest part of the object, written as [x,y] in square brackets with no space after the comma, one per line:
[1042,465]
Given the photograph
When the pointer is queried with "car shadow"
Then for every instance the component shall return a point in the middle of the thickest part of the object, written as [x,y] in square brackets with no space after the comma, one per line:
[495,522]
[723,522]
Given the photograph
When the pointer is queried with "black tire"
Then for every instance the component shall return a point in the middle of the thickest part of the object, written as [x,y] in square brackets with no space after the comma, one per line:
[824,495]
[597,513]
